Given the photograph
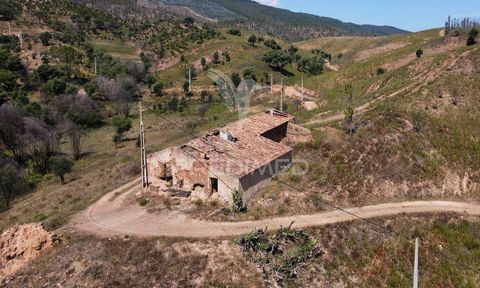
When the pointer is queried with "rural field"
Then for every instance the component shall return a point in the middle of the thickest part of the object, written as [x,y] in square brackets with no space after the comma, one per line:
[227,143]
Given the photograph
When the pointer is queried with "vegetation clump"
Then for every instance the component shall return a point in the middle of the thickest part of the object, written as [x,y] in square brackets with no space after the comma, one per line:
[281,256]
[472,36]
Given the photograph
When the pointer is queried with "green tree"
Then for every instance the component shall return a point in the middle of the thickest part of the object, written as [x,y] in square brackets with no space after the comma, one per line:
[249,73]
[252,40]
[150,80]
[123,125]
[158,88]
[277,59]
[60,166]
[236,79]
[203,62]
[11,183]
[55,87]
[227,57]
[173,104]
[9,10]
[45,37]
[46,72]
[186,87]
[7,81]
[471,40]
[68,55]
[216,57]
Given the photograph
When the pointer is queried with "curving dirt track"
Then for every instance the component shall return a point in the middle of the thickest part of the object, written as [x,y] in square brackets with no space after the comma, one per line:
[111,216]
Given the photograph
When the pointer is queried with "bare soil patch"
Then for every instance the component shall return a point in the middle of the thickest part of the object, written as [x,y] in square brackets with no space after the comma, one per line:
[22,244]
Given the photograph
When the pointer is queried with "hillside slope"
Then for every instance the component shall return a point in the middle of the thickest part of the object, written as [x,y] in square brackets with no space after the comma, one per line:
[244,14]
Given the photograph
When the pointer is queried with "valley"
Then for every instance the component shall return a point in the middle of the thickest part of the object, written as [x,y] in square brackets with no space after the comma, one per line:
[376,127]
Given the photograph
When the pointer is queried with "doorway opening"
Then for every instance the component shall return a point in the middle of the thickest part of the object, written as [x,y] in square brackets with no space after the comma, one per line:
[214,184]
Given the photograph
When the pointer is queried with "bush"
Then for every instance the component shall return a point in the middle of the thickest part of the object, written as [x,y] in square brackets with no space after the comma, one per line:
[272,44]
[55,87]
[419,53]
[249,73]
[237,199]
[142,201]
[45,37]
[380,71]
[158,88]
[234,32]
[236,79]
[471,40]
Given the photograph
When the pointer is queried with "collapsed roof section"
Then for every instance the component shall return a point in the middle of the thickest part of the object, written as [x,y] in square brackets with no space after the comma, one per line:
[244,146]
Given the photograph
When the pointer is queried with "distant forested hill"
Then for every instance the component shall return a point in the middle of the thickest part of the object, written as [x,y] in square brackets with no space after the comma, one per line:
[247,14]
[244,14]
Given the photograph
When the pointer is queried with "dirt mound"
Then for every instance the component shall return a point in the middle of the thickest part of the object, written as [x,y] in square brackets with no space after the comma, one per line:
[21,244]
[331,67]
[294,91]
[297,134]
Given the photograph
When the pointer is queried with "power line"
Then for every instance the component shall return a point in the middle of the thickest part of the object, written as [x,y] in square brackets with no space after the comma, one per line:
[389,231]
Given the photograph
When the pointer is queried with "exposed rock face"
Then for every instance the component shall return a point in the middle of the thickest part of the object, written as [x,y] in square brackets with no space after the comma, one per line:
[21,244]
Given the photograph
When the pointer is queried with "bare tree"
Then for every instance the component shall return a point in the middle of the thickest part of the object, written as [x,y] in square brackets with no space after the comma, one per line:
[74,135]
[121,91]
[137,71]
[11,127]
[39,143]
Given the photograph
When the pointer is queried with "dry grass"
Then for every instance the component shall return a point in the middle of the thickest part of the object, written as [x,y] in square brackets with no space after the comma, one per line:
[83,261]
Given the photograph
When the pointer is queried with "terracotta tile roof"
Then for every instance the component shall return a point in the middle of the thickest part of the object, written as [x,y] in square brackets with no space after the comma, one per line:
[247,153]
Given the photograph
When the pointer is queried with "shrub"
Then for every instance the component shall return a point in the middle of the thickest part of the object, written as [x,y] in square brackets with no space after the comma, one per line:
[158,88]
[142,201]
[249,73]
[419,53]
[380,71]
[234,32]
[471,40]
[237,199]
[236,79]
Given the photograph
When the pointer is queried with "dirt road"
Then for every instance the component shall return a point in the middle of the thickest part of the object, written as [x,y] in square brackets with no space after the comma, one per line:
[111,216]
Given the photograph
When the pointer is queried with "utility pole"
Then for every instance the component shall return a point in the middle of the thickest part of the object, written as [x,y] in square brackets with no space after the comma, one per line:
[95,65]
[190,80]
[415,268]
[142,150]
[9,29]
[281,96]
[302,89]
